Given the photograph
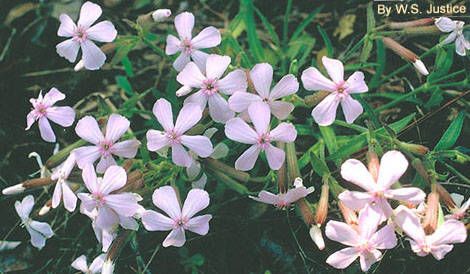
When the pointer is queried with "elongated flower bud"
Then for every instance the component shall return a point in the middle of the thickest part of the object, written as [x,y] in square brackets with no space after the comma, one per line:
[108,267]
[412,23]
[350,217]
[322,208]
[374,164]
[226,169]
[282,173]
[161,15]
[415,148]
[432,213]
[306,211]
[444,195]
[46,208]
[405,54]
[314,99]
[317,237]
[16,189]
[19,188]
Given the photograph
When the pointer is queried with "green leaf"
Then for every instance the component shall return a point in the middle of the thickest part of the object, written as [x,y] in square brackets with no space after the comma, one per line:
[318,165]
[443,63]
[305,23]
[124,44]
[272,33]
[329,46]
[452,133]
[124,83]
[127,66]
[381,58]
[354,145]
[254,43]
[330,138]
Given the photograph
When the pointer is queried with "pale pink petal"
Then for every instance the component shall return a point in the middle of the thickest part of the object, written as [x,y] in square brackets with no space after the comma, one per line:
[47,134]
[286,86]
[280,109]
[87,128]
[116,127]
[294,194]
[172,45]
[184,23]
[125,204]
[67,26]
[97,264]
[233,82]
[384,238]
[57,195]
[369,219]
[312,79]
[70,199]
[247,160]
[24,207]
[163,112]
[180,156]
[106,218]
[355,171]
[68,49]
[267,198]
[438,252]
[89,178]
[393,165]
[114,178]
[342,233]
[450,38]
[126,149]
[356,83]
[89,13]
[181,61]
[104,163]
[175,238]
[343,258]
[199,57]
[87,205]
[219,109]
[238,130]
[355,200]
[80,264]
[208,38]
[450,232]
[197,200]
[93,57]
[412,195]
[461,45]
[154,221]
[63,116]
[367,259]
[199,224]
[325,112]
[275,156]
[334,68]
[445,24]
[262,76]
[240,101]
[191,76]
[351,109]
[260,115]
[216,65]
[128,223]
[410,224]
[102,32]
[165,198]
[87,155]
[201,145]
[383,205]
[53,96]
[189,115]
[199,98]
[284,132]
[30,119]
[156,140]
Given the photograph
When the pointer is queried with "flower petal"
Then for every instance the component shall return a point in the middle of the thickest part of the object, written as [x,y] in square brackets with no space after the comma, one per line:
[238,130]
[154,221]
[156,140]
[63,116]
[342,233]
[324,113]
[90,179]
[24,207]
[208,38]
[201,145]
[68,49]
[267,198]
[369,219]
[392,166]
[438,252]
[126,149]
[175,238]
[53,96]
[219,109]
[191,76]
[284,132]
[262,76]
[181,61]
[57,195]
[97,264]
[240,101]
[80,264]
[198,98]
[280,109]
[116,127]
[114,178]
[67,26]
[461,45]
[184,23]
[260,115]
[294,194]
[367,259]
[165,199]
[354,199]
[102,32]
[87,128]
[334,68]
[410,224]
[247,160]
[189,115]
[356,83]
[233,82]
[106,218]
[412,195]
[450,38]
[172,45]
[104,163]
[89,13]
[93,57]
[312,79]
[87,155]
[30,119]
[384,238]
[199,58]
[180,156]
[275,156]
[163,112]
[450,232]
[343,258]
[125,204]
[70,199]
[197,200]
[199,224]
[351,109]
[286,86]
[47,134]
[355,172]
[445,24]
[216,65]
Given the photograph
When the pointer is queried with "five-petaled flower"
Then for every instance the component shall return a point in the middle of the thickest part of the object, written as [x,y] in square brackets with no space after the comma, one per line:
[189,46]
[80,263]
[111,208]
[392,166]
[173,134]
[62,189]
[178,220]
[104,146]
[455,28]
[364,240]
[325,112]
[260,138]
[83,34]
[438,243]
[284,200]
[211,86]
[44,110]
[262,75]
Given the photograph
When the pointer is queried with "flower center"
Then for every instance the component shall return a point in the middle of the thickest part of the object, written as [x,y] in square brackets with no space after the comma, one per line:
[173,138]
[181,222]
[105,148]
[80,35]
[364,247]
[264,140]
[426,248]
[186,46]
[99,199]
[209,87]
[40,109]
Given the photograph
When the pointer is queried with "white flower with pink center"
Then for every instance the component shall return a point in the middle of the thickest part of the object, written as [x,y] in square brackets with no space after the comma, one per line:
[325,112]
[455,28]
[364,241]
[80,264]
[284,200]
[262,76]
[173,135]
[259,138]
[212,86]
[83,34]
[104,146]
[189,46]
[44,110]
[62,190]
[179,219]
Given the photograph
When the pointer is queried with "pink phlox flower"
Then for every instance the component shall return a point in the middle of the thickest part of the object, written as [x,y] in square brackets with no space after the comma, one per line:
[438,243]
[80,264]
[260,138]
[178,220]
[212,86]
[455,28]
[262,76]
[392,166]
[173,134]
[83,34]
[44,110]
[189,46]
[340,91]
[461,209]
[364,240]
[62,190]
[111,208]
[39,231]
[106,146]
[284,200]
